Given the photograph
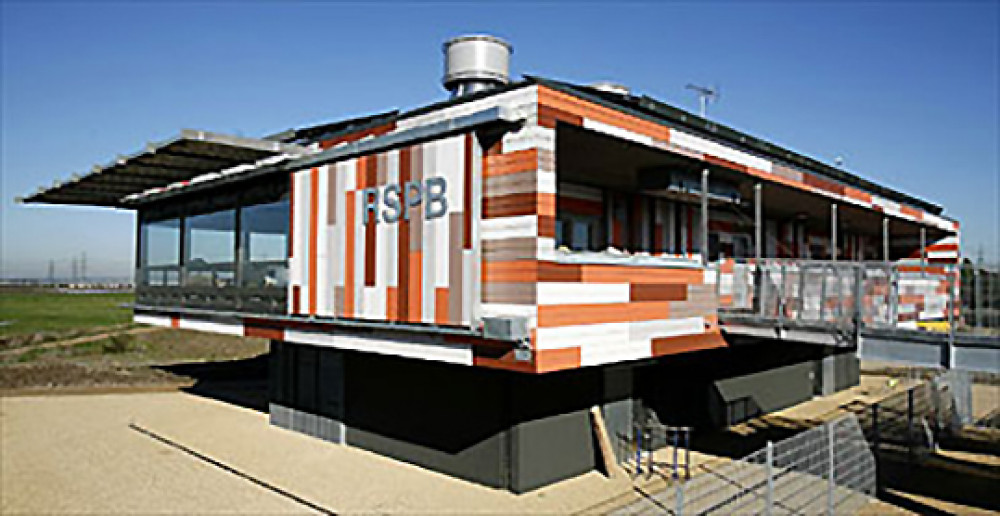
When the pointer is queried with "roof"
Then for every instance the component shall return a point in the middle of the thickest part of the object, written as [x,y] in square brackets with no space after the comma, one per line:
[314,133]
[195,153]
[651,109]
[181,158]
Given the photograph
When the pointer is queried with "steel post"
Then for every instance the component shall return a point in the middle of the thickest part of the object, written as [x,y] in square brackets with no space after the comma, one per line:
[885,238]
[679,498]
[687,452]
[923,252]
[831,482]
[909,420]
[782,295]
[822,293]
[952,275]
[769,508]
[638,450]
[758,221]
[894,297]
[675,439]
[704,216]
[977,291]
[859,305]
[833,232]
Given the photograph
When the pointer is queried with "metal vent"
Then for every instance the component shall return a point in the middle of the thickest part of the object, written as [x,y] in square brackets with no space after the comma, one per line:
[475,63]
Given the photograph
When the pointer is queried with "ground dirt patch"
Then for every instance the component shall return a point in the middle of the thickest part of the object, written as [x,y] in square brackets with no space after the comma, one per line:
[122,359]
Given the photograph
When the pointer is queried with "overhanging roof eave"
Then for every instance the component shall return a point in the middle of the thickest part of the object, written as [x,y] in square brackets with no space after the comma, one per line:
[157,165]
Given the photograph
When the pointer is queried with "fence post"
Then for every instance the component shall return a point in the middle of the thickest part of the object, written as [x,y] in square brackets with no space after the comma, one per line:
[687,452]
[638,450]
[951,315]
[859,305]
[832,469]
[977,292]
[909,420]
[782,299]
[676,440]
[679,498]
[761,289]
[875,446]
[822,294]
[769,508]
[894,296]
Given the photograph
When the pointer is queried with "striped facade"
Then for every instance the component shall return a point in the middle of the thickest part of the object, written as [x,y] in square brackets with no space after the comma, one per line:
[416,270]
[494,253]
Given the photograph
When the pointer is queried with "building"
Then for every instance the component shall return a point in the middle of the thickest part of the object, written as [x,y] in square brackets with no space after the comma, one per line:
[456,286]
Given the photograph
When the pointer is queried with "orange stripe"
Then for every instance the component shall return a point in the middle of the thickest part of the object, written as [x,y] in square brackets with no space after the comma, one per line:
[531,271]
[467,195]
[511,205]
[687,343]
[547,360]
[510,271]
[264,333]
[441,306]
[416,284]
[573,105]
[349,208]
[369,166]
[403,243]
[175,322]
[392,303]
[313,235]
[917,214]
[570,315]
[511,163]
[549,117]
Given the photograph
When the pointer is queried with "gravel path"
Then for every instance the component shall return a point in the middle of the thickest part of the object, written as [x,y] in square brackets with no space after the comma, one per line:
[78,454]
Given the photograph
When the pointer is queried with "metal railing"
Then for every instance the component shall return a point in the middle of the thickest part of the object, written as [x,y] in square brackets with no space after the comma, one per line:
[980,298]
[827,469]
[841,296]
[652,436]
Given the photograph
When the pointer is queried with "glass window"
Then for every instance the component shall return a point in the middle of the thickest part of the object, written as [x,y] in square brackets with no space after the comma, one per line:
[161,252]
[264,230]
[211,240]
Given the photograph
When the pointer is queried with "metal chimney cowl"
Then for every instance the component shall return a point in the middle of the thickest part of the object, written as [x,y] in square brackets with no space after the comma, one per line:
[475,63]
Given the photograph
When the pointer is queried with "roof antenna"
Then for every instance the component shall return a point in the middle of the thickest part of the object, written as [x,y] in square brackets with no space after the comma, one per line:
[705,96]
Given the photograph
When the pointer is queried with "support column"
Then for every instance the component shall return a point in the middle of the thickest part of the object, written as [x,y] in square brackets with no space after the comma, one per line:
[758,221]
[833,232]
[923,251]
[885,238]
[704,217]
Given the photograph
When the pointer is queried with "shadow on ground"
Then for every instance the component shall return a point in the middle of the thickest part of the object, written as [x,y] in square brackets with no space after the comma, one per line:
[942,478]
[239,382]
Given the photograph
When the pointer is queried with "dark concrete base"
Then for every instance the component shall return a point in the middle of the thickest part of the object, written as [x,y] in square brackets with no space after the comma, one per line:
[504,430]
[519,432]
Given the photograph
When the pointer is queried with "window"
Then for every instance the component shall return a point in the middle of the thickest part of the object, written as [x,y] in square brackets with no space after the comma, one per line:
[576,232]
[161,252]
[221,250]
[264,233]
[211,256]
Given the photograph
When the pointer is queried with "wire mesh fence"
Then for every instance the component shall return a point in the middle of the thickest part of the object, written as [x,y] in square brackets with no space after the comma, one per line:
[980,294]
[828,469]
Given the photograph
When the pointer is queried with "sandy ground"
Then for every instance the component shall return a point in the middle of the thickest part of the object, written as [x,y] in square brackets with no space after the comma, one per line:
[77,454]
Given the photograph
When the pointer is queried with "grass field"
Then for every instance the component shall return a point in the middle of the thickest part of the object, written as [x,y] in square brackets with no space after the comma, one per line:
[35,311]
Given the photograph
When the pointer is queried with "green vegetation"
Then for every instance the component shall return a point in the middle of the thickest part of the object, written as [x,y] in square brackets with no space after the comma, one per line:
[24,312]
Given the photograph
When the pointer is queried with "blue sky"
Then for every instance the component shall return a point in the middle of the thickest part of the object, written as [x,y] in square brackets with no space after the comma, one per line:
[906,93]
